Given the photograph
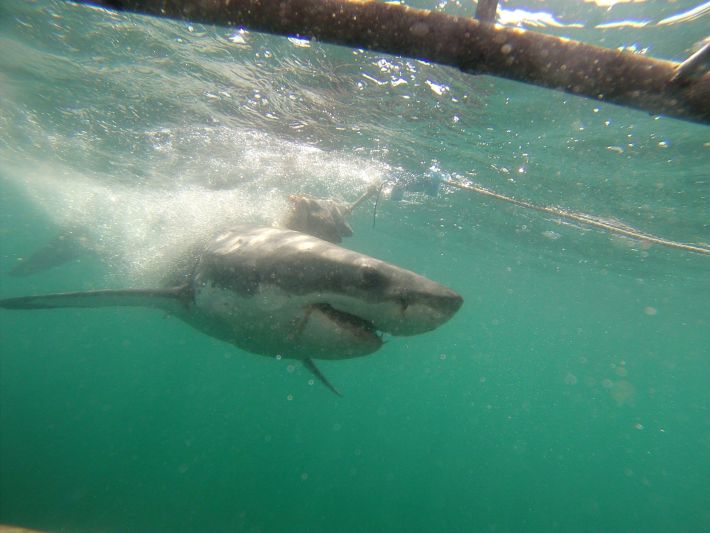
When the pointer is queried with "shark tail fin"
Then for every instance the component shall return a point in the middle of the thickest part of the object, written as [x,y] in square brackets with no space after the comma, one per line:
[310,365]
[61,249]
[161,298]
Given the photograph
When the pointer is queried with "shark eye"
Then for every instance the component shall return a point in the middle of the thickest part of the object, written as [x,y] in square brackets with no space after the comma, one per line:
[371,278]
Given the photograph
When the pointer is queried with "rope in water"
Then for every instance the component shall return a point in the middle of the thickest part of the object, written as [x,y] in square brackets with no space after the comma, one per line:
[583,219]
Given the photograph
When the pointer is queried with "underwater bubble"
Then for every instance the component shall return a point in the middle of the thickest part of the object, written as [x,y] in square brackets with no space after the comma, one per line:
[621,371]
[623,392]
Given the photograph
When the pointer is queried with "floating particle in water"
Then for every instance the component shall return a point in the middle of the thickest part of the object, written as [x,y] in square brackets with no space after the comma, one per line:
[520,446]
[650,311]
[638,426]
[552,235]
[621,371]
[570,379]
[623,392]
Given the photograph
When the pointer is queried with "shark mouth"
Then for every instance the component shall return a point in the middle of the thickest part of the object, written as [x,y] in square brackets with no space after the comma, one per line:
[352,324]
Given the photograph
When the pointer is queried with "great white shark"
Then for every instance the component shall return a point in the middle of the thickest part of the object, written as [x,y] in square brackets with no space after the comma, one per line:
[278,292]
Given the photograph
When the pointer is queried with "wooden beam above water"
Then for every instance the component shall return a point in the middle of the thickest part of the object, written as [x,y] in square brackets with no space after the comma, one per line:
[603,74]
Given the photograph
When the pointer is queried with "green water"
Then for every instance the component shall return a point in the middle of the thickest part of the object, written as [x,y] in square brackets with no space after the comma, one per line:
[570,392]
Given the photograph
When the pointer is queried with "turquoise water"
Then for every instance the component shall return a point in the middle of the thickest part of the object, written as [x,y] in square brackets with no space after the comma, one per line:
[570,392]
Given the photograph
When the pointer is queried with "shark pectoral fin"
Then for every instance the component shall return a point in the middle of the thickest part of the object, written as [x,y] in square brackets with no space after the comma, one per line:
[160,298]
[310,365]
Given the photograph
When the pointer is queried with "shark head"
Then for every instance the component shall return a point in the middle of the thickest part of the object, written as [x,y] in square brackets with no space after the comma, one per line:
[282,292]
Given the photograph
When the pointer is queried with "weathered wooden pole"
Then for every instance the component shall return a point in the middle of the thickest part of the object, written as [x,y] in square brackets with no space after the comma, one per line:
[603,74]
[486,11]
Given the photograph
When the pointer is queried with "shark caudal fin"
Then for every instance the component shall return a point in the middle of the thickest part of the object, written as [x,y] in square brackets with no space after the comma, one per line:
[310,365]
[160,298]
[61,249]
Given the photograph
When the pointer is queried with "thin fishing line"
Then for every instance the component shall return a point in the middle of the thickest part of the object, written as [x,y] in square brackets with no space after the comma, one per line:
[589,220]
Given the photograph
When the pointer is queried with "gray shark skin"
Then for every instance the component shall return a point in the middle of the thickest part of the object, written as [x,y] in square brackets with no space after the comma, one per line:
[279,292]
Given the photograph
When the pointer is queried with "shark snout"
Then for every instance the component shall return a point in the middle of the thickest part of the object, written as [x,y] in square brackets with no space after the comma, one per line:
[423,309]
[447,302]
